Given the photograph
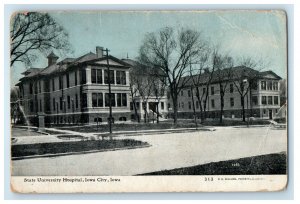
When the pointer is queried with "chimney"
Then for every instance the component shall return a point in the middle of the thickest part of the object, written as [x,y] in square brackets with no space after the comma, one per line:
[99,51]
[52,58]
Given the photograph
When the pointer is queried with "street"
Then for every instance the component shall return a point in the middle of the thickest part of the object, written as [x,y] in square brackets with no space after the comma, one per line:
[168,151]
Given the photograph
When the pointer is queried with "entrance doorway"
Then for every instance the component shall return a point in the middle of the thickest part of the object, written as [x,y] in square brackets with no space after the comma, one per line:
[270,114]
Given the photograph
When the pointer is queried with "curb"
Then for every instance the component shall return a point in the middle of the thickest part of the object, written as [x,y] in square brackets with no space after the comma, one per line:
[76,153]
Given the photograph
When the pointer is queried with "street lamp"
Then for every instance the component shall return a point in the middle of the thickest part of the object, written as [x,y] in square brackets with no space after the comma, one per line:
[245,82]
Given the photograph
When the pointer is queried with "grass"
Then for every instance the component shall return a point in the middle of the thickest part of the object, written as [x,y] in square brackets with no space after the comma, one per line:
[257,165]
[188,123]
[72,146]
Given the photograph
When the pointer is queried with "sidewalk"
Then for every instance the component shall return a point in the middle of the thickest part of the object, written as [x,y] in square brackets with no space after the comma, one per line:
[96,135]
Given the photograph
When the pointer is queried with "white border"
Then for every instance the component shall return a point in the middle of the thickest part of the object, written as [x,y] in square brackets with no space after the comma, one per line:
[292,74]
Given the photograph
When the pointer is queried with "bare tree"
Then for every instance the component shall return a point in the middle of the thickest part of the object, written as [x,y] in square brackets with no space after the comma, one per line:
[134,78]
[223,74]
[143,82]
[201,75]
[171,53]
[159,90]
[245,80]
[14,104]
[34,32]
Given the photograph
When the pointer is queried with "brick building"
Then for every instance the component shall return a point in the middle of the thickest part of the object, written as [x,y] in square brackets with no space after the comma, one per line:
[261,101]
[75,90]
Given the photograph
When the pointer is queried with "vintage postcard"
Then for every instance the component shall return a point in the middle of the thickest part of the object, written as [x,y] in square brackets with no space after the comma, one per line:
[148,101]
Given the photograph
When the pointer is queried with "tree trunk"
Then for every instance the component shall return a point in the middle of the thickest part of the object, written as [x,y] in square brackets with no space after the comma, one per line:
[222,108]
[157,113]
[243,108]
[194,109]
[175,110]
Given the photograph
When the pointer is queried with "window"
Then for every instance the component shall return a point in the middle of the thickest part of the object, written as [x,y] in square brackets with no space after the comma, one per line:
[270,100]
[212,90]
[60,103]
[69,102]
[60,82]
[254,100]
[197,104]
[46,86]
[84,100]
[53,85]
[162,105]
[263,85]
[35,88]
[269,85]
[31,106]
[83,76]
[31,88]
[124,99]
[97,76]
[231,88]
[190,105]
[119,99]
[275,85]
[179,105]
[68,80]
[231,102]
[181,93]
[264,111]
[131,106]
[75,78]
[111,75]
[76,101]
[264,100]
[275,100]
[182,105]
[113,102]
[97,99]
[53,103]
[212,103]
[204,90]
[169,106]
[121,77]
[189,93]
[40,87]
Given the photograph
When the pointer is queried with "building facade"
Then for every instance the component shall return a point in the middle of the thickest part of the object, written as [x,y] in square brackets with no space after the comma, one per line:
[75,90]
[262,100]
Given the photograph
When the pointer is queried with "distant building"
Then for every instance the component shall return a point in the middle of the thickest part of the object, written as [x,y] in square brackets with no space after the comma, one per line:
[75,90]
[262,101]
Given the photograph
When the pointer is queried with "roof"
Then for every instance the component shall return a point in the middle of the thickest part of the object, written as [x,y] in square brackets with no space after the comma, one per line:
[65,64]
[31,70]
[52,55]
[236,73]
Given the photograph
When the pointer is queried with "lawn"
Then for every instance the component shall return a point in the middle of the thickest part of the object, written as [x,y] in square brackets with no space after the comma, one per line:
[188,123]
[257,165]
[73,146]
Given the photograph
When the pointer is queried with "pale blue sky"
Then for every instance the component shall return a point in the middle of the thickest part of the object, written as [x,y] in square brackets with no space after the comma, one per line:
[239,33]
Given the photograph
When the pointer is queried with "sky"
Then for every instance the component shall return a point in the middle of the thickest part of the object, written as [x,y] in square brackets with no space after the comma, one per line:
[255,34]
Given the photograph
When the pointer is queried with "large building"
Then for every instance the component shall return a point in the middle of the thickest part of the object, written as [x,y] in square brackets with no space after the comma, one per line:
[262,100]
[75,90]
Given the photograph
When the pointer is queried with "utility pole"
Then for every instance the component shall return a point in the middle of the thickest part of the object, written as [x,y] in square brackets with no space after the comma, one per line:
[109,94]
